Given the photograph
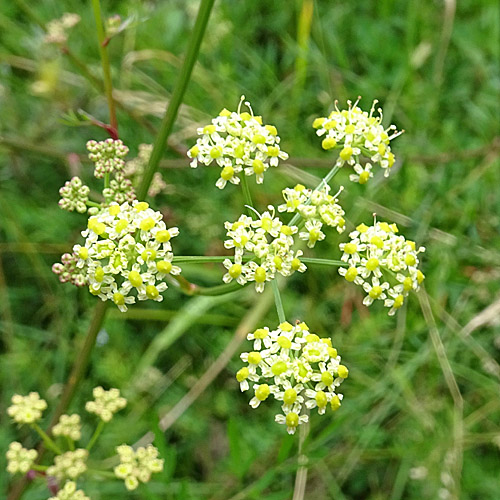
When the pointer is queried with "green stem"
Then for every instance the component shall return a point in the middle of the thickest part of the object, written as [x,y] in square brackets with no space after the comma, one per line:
[102,473]
[46,439]
[81,361]
[203,259]
[71,443]
[95,436]
[93,204]
[106,181]
[39,468]
[108,83]
[247,194]
[177,96]
[323,262]
[278,301]
[328,177]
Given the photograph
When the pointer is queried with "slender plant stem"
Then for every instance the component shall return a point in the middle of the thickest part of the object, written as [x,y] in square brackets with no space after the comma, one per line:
[108,83]
[328,177]
[71,443]
[106,181]
[173,106]
[46,439]
[203,259]
[323,262]
[39,468]
[247,194]
[81,362]
[97,433]
[278,301]
[301,477]
[102,473]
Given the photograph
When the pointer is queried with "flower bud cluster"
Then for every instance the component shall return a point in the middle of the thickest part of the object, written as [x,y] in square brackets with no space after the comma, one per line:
[69,465]
[383,263]
[69,426]
[19,459]
[69,271]
[120,189]
[106,403]
[74,196]
[107,155]
[137,466]
[57,29]
[299,369]
[358,134]
[237,142]
[69,492]
[268,243]
[316,207]
[127,249]
[26,409]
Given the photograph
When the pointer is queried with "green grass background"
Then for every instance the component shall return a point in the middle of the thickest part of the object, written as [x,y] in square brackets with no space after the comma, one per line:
[434,66]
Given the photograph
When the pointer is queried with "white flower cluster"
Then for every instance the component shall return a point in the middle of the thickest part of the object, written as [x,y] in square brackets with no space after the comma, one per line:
[127,248]
[269,242]
[358,133]
[383,263]
[107,155]
[19,459]
[69,426]
[137,466]
[57,29]
[237,142]
[74,196]
[26,409]
[296,367]
[106,403]
[134,170]
[69,465]
[68,271]
[316,207]
[69,492]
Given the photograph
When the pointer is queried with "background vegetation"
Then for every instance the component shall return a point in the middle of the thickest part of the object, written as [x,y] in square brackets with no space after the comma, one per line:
[418,414]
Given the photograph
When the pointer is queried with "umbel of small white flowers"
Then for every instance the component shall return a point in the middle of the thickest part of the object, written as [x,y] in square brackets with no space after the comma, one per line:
[69,464]
[297,367]
[358,134]
[126,256]
[238,143]
[383,263]
[263,247]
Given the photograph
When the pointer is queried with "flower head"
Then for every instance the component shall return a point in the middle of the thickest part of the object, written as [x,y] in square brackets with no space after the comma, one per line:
[68,426]
[137,466]
[69,465]
[19,459]
[106,403]
[107,155]
[239,144]
[294,366]
[126,256]
[69,492]
[74,196]
[356,133]
[26,409]
[268,243]
[57,29]
[384,263]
